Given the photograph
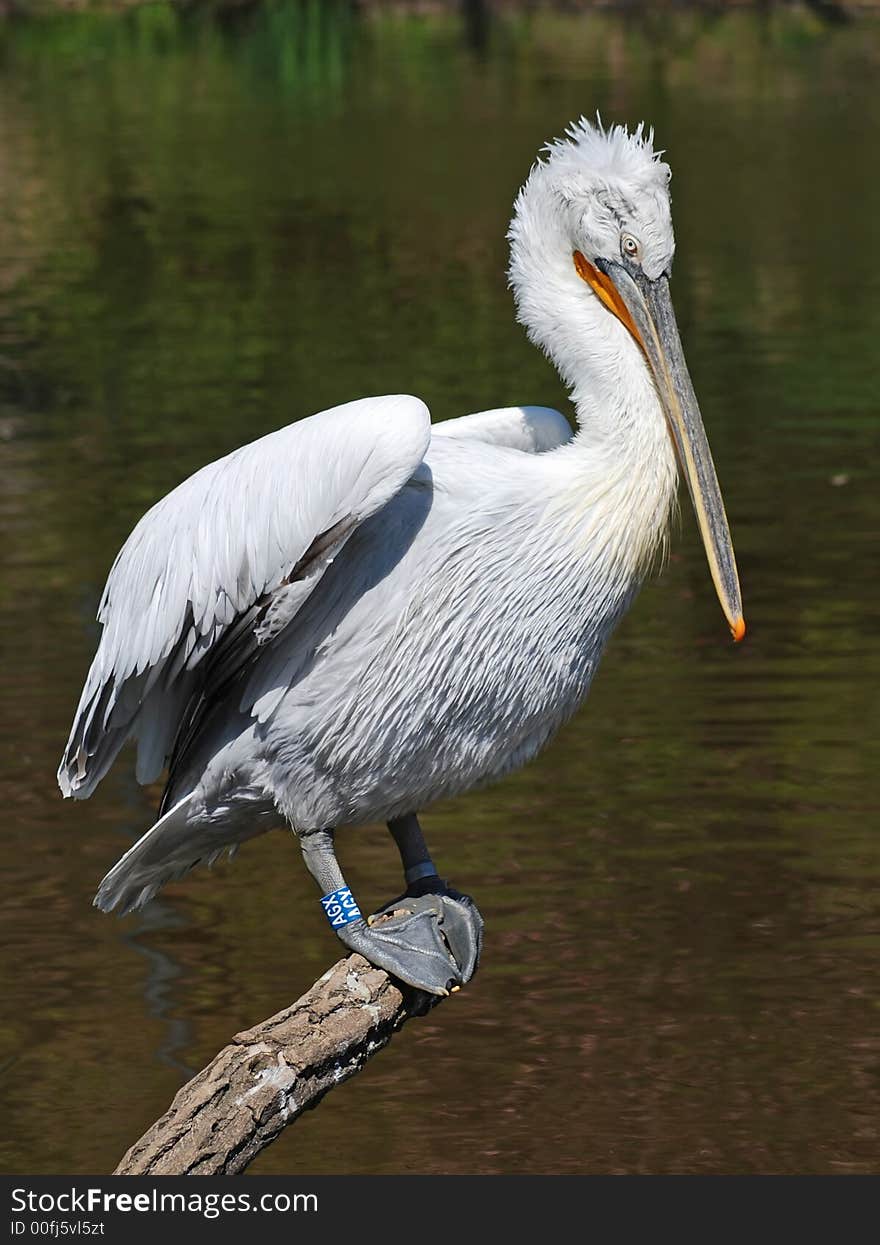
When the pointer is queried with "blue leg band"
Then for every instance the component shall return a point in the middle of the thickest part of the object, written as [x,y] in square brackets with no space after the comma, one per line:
[340,907]
[425,870]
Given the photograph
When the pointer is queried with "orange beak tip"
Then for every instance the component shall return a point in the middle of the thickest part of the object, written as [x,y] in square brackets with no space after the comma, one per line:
[738,629]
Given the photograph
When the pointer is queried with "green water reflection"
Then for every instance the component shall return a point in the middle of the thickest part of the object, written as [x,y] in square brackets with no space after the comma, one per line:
[213,225]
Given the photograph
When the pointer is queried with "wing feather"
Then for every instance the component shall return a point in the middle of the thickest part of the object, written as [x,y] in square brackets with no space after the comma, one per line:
[533,429]
[225,541]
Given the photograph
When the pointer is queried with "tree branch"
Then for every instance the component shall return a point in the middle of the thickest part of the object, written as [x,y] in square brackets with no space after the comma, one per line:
[267,1076]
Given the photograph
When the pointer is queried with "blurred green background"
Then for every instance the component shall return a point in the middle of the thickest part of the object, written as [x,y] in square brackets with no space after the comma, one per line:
[215,221]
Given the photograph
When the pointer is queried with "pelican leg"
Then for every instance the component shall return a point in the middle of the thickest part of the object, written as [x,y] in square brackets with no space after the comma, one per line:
[427,894]
[413,940]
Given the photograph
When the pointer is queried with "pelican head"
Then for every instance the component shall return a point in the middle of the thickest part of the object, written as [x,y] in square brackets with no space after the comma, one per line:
[591,255]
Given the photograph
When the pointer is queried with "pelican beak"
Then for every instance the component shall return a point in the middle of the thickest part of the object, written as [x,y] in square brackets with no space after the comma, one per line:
[645,308]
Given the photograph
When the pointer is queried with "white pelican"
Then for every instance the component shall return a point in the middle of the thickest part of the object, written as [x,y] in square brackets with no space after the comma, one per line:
[359,613]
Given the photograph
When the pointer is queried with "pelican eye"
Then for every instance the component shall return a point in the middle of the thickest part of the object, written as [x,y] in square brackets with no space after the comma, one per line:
[629,246]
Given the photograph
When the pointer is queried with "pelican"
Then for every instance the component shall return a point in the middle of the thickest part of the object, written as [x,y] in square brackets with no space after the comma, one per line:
[360,613]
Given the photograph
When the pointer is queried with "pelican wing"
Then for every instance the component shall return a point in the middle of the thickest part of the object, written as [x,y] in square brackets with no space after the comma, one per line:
[533,429]
[221,565]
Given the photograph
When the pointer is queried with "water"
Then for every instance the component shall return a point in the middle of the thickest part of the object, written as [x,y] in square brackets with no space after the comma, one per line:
[211,226]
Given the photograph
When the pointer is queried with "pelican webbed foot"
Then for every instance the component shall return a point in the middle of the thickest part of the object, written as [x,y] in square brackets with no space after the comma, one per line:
[429,937]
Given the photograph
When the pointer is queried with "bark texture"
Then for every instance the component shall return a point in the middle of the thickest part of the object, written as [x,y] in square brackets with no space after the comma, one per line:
[268,1075]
